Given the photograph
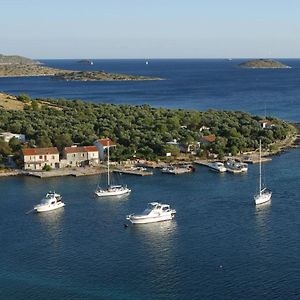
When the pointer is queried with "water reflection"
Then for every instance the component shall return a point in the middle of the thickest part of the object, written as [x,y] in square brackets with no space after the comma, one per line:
[156,236]
[262,217]
[51,223]
[158,241]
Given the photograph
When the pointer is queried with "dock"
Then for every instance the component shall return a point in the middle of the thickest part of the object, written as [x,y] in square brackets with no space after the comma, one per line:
[76,172]
[133,172]
[202,162]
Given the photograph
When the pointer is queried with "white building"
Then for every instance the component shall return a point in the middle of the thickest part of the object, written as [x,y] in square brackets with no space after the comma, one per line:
[7,136]
[37,158]
[102,145]
[81,156]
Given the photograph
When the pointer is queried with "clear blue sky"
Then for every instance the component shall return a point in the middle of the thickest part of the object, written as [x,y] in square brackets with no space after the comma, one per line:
[150,29]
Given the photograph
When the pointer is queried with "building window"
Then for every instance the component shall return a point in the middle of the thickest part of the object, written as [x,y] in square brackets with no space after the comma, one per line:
[28,166]
[41,157]
[73,155]
[53,157]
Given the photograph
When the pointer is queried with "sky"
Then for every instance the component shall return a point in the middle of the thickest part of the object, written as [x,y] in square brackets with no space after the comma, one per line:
[150,29]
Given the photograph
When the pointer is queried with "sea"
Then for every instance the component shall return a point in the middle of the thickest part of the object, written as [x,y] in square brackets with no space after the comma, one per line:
[219,246]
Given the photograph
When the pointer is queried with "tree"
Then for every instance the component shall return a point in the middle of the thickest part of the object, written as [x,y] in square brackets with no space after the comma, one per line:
[44,141]
[174,150]
[4,148]
[24,98]
[63,140]
[15,144]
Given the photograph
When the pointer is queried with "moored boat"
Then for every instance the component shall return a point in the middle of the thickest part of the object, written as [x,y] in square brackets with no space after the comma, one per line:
[217,166]
[111,190]
[264,195]
[155,212]
[51,201]
[236,167]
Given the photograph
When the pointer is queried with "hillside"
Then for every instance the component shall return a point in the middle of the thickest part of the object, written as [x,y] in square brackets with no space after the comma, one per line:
[140,130]
[18,66]
[263,64]
[16,60]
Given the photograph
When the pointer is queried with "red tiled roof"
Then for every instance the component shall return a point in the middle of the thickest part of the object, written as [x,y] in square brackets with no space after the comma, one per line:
[209,138]
[80,149]
[40,151]
[104,142]
[268,122]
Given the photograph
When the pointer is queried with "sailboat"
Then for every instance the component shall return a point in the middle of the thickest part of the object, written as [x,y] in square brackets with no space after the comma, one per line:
[264,195]
[111,190]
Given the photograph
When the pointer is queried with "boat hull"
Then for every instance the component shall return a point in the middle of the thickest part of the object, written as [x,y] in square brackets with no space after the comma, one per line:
[217,168]
[43,208]
[263,198]
[134,220]
[112,193]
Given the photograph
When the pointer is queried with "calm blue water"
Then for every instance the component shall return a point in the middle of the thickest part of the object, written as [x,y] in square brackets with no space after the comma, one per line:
[196,84]
[220,246]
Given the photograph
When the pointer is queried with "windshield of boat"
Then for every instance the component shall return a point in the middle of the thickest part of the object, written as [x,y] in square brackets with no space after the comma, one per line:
[46,200]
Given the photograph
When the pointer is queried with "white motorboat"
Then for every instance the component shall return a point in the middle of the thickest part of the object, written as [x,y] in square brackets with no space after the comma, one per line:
[51,201]
[264,195]
[236,167]
[155,212]
[111,190]
[217,166]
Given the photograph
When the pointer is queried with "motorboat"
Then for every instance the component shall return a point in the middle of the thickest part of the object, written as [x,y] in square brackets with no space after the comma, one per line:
[111,190]
[236,167]
[155,212]
[217,166]
[264,195]
[169,170]
[51,201]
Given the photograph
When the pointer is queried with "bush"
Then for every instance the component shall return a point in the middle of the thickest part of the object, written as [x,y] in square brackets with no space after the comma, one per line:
[47,168]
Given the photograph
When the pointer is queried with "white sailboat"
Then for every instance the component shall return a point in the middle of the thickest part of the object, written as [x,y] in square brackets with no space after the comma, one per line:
[264,195]
[111,190]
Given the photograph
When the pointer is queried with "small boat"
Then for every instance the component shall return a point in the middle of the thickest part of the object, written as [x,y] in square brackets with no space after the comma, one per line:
[111,190]
[264,195]
[155,212]
[51,201]
[236,167]
[217,166]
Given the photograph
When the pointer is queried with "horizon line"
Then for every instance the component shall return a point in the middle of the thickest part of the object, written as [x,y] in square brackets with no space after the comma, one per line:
[165,58]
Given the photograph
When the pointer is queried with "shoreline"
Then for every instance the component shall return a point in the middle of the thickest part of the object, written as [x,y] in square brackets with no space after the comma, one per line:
[292,142]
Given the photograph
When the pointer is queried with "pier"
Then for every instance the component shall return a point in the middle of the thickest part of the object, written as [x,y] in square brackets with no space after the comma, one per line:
[133,172]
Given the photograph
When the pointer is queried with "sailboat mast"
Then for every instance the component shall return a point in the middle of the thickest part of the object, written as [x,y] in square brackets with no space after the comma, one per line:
[260,167]
[108,179]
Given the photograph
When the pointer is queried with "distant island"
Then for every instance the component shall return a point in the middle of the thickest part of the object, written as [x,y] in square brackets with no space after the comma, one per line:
[85,62]
[18,66]
[98,76]
[263,64]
